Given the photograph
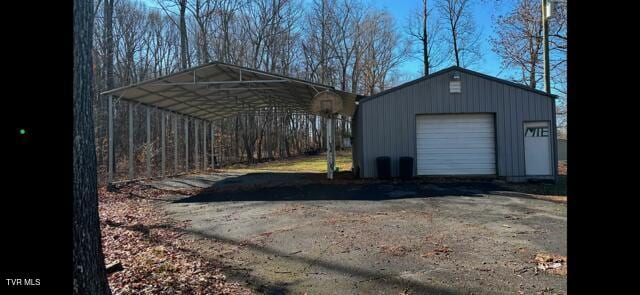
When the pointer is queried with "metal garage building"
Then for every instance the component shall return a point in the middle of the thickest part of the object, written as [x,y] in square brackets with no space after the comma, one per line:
[458,122]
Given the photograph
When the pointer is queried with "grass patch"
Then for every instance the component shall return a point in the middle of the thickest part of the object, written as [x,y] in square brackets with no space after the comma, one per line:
[317,163]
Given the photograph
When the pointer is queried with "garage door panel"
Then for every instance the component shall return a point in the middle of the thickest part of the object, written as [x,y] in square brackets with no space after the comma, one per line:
[454,126]
[445,135]
[439,160]
[445,145]
[457,157]
[466,171]
[453,132]
[465,118]
[435,161]
[453,141]
[478,166]
[439,151]
[461,144]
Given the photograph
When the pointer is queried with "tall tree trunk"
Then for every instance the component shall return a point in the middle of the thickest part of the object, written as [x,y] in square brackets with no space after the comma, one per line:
[109,46]
[355,71]
[89,273]
[455,46]
[184,46]
[425,47]
[260,145]
[534,62]
[202,34]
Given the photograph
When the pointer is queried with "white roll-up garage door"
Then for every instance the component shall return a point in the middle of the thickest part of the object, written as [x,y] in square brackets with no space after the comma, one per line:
[461,144]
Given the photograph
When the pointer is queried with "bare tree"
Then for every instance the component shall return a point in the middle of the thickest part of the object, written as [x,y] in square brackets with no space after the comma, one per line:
[227,32]
[558,60]
[162,42]
[463,36]
[167,6]
[89,273]
[425,29]
[316,47]
[383,50]
[558,47]
[421,34]
[425,37]
[345,20]
[518,41]
[109,44]
[184,42]
[131,26]
[203,12]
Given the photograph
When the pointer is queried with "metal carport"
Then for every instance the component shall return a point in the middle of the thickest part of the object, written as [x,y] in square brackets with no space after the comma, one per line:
[218,90]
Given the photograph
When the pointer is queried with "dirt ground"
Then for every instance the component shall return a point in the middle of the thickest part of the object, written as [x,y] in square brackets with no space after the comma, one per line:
[286,233]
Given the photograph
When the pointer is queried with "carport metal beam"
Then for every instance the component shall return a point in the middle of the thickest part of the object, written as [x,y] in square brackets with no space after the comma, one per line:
[219,82]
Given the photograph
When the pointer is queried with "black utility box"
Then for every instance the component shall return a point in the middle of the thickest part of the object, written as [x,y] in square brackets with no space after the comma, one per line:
[384,167]
[406,167]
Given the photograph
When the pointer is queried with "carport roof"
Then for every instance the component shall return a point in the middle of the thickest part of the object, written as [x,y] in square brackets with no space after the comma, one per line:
[217,90]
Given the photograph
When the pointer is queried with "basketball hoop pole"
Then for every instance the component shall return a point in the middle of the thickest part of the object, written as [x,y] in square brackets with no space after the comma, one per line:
[331,148]
[328,104]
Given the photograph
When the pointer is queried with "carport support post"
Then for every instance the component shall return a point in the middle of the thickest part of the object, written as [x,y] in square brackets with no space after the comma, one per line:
[110,139]
[186,144]
[175,144]
[162,118]
[330,147]
[196,159]
[131,141]
[213,161]
[204,145]
[148,157]
[334,124]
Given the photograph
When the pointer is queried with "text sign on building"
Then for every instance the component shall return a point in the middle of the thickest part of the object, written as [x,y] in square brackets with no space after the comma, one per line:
[455,86]
[537,132]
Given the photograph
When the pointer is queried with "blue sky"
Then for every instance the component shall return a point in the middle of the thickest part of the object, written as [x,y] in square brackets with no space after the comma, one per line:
[482,11]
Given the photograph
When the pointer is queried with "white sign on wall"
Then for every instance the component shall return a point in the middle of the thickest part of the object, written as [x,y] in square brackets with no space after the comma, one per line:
[537,132]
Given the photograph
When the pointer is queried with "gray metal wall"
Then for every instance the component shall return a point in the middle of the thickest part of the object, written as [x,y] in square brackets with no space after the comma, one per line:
[386,124]
[562,149]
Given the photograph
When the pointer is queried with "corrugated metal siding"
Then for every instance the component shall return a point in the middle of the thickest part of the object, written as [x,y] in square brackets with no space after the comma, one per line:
[386,124]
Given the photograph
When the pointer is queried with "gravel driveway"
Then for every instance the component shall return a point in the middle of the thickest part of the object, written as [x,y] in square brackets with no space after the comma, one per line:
[373,238]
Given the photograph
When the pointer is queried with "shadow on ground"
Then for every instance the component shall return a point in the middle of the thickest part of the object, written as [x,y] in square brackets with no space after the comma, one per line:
[293,187]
